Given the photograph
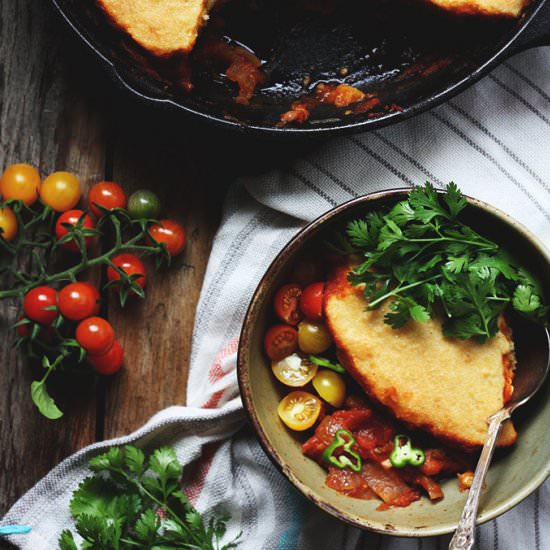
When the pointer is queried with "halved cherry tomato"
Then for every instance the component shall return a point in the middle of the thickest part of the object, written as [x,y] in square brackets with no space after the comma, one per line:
[20,181]
[109,362]
[36,300]
[313,337]
[71,217]
[280,341]
[286,303]
[299,410]
[130,264]
[60,191]
[330,386]
[311,301]
[171,233]
[95,335]
[8,224]
[106,194]
[78,301]
[294,371]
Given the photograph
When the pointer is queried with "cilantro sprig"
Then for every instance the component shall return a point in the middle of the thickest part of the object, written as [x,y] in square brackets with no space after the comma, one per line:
[421,257]
[134,501]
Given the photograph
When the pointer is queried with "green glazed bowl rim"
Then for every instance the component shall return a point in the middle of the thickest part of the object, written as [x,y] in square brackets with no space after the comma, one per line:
[295,243]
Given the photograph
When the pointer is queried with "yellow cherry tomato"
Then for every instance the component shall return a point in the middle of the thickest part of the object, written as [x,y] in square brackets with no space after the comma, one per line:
[60,191]
[330,386]
[21,182]
[8,224]
[294,371]
[299,410]
[313,337]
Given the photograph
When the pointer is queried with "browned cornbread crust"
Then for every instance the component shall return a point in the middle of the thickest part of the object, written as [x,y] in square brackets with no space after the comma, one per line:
[163,27]
[501,8]
[445,386]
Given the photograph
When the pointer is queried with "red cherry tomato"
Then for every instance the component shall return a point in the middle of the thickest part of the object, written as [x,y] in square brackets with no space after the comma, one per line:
[109,362]
[170,233]
[280,341]
[23,330]
[46,334]
[95,335]
[130,264]
[107,194]
[78,301]
[286,304]
[36,300]
[71,217]
[311,301]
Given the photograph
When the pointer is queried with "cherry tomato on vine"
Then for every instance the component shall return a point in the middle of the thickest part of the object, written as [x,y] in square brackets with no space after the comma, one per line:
[36,300]
[71,217]
[311,301]
[107,194]
[8,224]
[286,303]
[78,301]
[20,181]
[144,204]
[23,330]
[95,335]
[130,264]
[280,341]
[60,191]
[171,233]
[109,362]
[46,334]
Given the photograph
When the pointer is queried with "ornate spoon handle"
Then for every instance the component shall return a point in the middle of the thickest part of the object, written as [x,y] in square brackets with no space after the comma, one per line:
[464,536]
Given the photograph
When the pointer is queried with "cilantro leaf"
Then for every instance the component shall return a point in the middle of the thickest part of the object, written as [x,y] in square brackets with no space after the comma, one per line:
[66,541]
[135,501]
[420,257]
[525,299]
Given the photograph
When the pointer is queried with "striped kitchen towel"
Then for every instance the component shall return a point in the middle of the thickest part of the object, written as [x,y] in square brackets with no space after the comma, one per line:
[494,141]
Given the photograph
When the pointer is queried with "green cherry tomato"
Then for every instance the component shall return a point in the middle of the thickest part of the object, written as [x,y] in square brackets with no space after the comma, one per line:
[144,204]
[330,386]
[313,337]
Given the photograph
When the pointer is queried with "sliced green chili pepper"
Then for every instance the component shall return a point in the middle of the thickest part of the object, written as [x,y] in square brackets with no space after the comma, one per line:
[405,454]
[343,441]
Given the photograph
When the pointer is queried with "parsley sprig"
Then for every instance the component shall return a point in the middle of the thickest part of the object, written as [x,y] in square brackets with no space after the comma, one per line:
[135,502]
[421,257]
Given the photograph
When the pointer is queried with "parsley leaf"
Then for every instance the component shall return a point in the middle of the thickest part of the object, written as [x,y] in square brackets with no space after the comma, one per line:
[420,257]
[134,501]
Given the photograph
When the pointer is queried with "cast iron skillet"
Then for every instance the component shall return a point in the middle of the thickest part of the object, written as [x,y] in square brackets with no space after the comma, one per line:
[409,56]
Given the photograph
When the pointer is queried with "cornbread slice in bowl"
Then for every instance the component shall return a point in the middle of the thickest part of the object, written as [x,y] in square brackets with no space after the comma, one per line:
[518,471]
[446,386]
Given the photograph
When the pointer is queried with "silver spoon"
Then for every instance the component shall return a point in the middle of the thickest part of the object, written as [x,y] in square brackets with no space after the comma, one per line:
[532,344]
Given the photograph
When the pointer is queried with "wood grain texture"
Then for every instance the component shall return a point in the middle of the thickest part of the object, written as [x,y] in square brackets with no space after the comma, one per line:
[52,120]
[59,111]
[151,151]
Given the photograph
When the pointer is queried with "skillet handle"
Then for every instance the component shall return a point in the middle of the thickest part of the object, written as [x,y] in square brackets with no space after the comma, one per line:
[535,33]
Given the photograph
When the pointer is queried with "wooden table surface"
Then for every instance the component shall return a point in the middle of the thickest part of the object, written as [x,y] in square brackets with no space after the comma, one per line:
[60,111]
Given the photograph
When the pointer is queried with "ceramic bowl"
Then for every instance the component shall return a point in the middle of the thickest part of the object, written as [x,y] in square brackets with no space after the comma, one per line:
[514,474]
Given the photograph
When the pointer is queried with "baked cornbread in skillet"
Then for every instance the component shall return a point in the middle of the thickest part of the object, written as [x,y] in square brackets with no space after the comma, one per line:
[502,8]
[163,27]
[446,386]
